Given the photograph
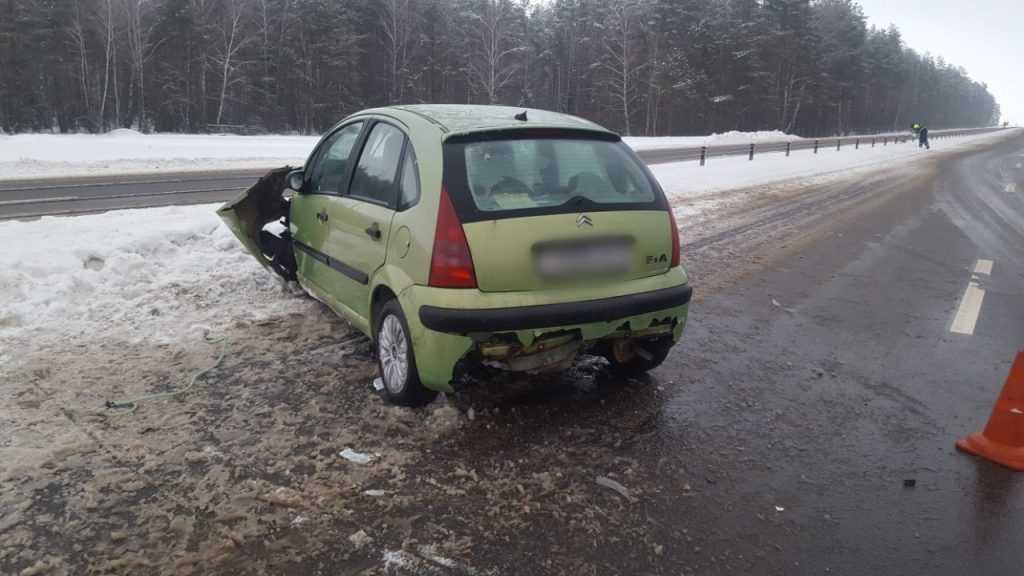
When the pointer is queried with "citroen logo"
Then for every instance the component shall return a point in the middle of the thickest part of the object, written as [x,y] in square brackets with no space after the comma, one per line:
[583,219]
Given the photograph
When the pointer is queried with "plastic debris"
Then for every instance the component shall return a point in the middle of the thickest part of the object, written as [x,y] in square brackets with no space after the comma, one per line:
[777,305]
[780,509]
[609,483]
[378,384]
[353,456]
[375,493]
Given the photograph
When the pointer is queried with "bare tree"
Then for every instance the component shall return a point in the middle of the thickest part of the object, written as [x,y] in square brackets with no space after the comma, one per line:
[107,33]
[492,35]
[399,42]
[141,47]
[226,54]
[77,33]
[623,59]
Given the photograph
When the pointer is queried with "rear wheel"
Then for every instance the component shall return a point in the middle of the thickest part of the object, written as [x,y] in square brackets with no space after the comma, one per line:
[396,359]
[639,355]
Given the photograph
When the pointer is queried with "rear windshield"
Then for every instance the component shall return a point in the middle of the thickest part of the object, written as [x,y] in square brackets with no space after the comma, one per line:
[530,176]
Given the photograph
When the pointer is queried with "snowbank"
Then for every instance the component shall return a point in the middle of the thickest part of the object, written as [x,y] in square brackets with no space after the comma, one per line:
[733,137]
[123,151]
[144,274]
[700,185]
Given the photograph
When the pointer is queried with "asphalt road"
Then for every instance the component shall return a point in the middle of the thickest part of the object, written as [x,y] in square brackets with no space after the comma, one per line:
[32,198]
[826,404]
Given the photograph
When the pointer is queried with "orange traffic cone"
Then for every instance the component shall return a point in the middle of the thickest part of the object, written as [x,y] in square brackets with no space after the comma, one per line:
[1002,441]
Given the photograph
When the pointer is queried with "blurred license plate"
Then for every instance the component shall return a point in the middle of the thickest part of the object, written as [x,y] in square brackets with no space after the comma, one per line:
[573,260]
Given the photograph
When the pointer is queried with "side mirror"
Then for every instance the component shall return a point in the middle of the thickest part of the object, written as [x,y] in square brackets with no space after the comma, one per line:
[296,179]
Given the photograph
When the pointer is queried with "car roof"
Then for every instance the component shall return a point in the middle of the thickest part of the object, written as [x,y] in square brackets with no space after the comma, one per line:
[455,119]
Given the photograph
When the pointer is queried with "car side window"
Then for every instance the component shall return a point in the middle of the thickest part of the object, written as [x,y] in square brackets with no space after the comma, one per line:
[328,176]
[409,183]
[374,179]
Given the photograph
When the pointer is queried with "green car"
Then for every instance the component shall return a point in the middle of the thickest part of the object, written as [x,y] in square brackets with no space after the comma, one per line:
[460,235]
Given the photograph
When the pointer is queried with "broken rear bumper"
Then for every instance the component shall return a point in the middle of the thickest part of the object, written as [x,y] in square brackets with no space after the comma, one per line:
[461,321]
[450,325]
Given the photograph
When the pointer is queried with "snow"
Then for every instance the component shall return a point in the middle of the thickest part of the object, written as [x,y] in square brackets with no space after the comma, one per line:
[699,186]
[139,274]
[124,151]
[724,139]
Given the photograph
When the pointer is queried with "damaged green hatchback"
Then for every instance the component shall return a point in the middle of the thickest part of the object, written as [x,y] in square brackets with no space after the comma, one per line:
[454,235]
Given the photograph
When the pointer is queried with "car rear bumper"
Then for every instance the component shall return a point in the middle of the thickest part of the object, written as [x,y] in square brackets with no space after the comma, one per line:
[462,321]
[448,324]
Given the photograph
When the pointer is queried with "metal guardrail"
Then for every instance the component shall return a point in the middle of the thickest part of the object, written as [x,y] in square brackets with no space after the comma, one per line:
[702,153]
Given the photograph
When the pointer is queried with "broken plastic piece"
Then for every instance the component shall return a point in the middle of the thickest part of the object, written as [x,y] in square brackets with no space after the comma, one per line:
[609,483]
[780,509]
[378,384]
[353,456]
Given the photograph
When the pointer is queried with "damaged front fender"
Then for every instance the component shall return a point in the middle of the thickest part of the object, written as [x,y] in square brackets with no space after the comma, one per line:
[248,215]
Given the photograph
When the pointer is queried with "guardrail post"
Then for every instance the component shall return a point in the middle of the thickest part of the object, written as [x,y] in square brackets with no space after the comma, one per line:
[751,150]
[885,140]
[856,145]
[839,144]
[703,154]
[872,141]
[787,149]
[815,146]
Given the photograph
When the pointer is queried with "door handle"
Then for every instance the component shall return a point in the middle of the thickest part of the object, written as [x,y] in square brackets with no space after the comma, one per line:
[373,231]
[322,215]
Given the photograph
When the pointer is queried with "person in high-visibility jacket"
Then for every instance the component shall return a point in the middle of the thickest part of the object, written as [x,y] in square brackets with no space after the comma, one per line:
[916,127]
[922,138]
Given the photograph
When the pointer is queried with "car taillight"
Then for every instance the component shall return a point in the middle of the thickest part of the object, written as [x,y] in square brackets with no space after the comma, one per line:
[675,238]
[451,264]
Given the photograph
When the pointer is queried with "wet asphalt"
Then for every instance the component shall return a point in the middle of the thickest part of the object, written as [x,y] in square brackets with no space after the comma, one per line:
[854,390]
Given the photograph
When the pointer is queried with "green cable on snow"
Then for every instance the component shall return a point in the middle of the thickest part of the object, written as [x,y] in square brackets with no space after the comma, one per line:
[123,407]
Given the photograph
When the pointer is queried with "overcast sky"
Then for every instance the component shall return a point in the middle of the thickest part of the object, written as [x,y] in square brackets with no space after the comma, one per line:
[985,37]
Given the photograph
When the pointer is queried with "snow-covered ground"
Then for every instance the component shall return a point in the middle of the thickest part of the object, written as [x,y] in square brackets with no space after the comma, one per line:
[33,156]
[30,156]
[724,139]
[696,188]
[136,273]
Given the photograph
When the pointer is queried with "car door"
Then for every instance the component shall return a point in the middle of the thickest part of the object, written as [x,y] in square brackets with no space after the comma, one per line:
[361,219]
[326,179]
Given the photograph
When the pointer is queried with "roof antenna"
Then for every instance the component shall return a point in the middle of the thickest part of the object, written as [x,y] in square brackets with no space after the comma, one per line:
[521,116]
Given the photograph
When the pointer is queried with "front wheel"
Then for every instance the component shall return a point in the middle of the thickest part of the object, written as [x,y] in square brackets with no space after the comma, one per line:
[643,355]
[396,359]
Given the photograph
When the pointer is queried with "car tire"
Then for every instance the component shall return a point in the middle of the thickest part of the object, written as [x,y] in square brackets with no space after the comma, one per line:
[658,348]
[396,359]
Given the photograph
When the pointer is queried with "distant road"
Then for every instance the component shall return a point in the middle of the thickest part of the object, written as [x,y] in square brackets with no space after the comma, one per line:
[65,196]
[26,199]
